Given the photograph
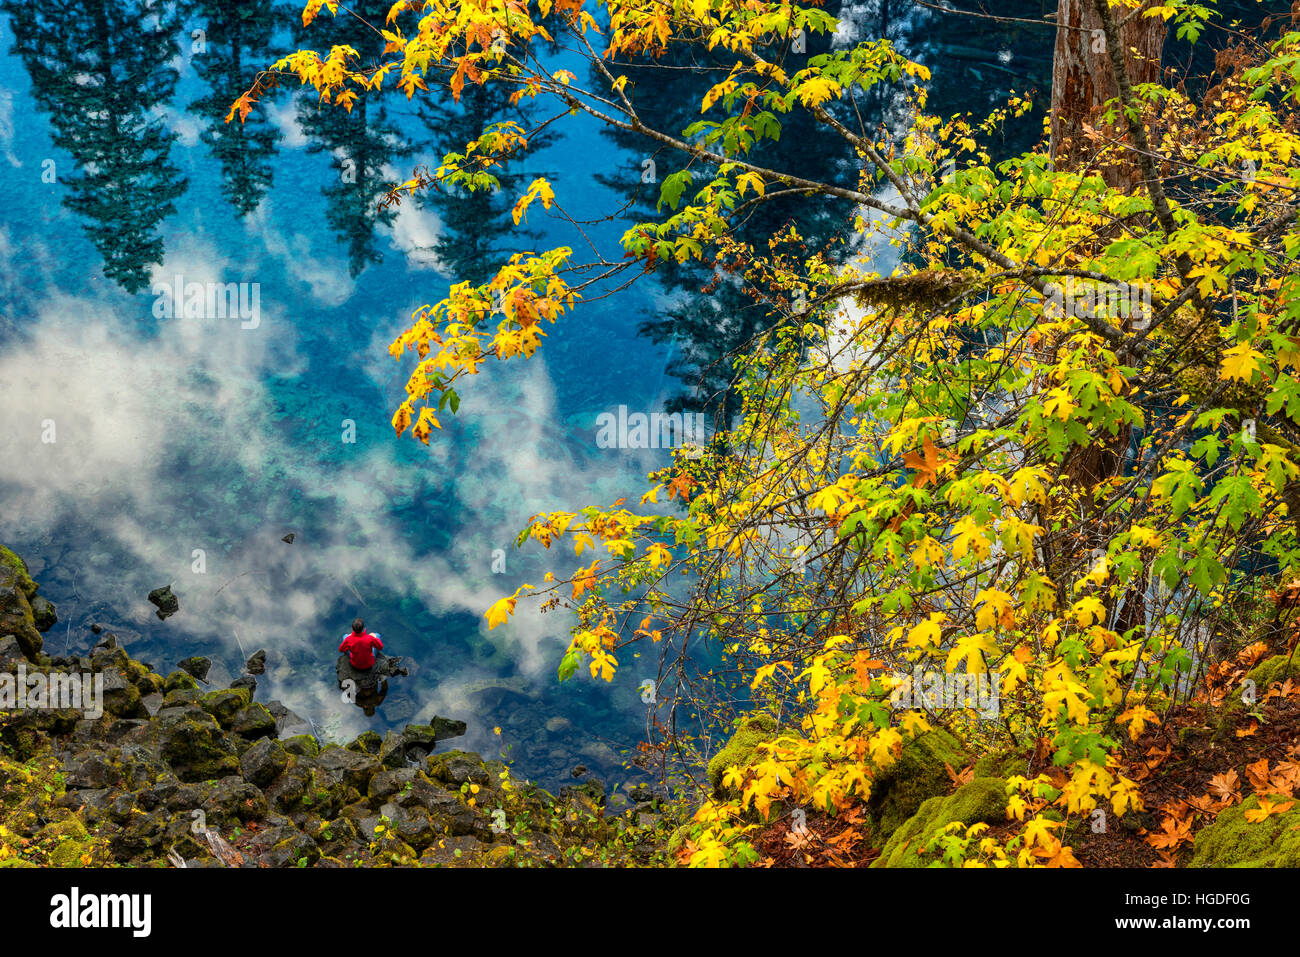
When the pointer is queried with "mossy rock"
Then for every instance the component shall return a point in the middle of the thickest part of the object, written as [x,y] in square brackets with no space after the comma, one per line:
[18,567]
[195,749]
[367,742]
[1000,764]
[919,773]
[253,722]
[16,617]
[980,799]
[741,749]
[1232,841]
[68,840]
[303,745]
[145,680]
[1277,668]
[225,704]
[179,681]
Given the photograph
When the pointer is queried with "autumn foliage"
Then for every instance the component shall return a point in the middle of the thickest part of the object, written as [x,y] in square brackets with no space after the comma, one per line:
[981,461]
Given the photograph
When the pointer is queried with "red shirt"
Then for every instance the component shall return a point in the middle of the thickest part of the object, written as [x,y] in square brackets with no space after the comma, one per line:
[359,651]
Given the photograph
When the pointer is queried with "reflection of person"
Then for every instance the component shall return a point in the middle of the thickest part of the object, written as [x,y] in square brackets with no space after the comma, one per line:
[360,646]
[369,698]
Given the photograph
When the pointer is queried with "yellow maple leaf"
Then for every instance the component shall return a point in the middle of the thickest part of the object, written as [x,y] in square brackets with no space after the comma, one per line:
[1240,362]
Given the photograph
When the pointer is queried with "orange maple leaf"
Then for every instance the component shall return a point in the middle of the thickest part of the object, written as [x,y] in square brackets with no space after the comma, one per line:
[585,578]
[1257,774]
[1267,808]
[1225,786]
[1172,833]
[926,462]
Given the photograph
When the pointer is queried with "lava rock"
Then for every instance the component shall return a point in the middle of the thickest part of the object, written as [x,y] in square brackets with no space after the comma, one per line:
[263,762]
[166,602]
[197,667]
[43,614]
[248,683]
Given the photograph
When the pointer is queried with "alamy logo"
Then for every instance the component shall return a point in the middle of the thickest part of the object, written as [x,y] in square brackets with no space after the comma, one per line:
[656,430]
[1116,300]
[57,690]
[75,910]
[939,691]
[209,300]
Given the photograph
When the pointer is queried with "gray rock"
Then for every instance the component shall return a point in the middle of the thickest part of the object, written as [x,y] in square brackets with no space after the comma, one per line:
[197,667]
[389,782]
[263,762]
[247,682]
[90,769]
[44,614]
[166,602]
[353,769]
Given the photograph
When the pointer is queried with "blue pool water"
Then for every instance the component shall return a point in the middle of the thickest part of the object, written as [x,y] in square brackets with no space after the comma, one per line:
[185,448]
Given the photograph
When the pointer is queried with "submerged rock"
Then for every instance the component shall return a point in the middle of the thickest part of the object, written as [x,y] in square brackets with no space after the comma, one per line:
[172,775]
[166,602]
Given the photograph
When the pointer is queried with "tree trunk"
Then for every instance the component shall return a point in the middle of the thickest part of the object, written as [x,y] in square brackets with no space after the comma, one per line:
[1082,81]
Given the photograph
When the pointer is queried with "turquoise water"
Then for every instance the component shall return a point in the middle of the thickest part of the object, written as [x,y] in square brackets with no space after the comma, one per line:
[185,448]
[140,447]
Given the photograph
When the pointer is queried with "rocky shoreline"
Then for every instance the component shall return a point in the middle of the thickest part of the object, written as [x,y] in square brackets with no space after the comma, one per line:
[172,775]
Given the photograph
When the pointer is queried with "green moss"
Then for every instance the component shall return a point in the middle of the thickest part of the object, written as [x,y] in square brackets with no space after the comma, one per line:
[980,799]
[741,749]
[302,744]
[225,704]
[180,681]
[1232,841]
[1277,668]
[67,840]
[1000,764]
[919,773]
[15,564]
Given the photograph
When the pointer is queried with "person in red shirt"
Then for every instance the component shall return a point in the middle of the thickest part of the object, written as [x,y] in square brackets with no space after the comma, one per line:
[360,646]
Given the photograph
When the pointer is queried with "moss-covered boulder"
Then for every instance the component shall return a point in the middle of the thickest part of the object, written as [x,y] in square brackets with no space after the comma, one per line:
[919,773]
[193,745]
[14,568]
[69,843]
[179,681]
[1232,841]
[253,722]
[1001,764]
[121,697]
[742,748]
[980,799]
[16,617]
[303,745]
[43,613]
[457,768]
[225,704]
[1277,668]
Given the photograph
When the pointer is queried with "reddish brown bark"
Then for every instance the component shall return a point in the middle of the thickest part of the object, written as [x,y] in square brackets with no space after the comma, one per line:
[1082,81]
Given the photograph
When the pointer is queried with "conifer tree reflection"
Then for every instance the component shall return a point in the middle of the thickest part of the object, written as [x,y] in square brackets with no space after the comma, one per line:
[236,42]
[100,70]
[472,224]
[364,144]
